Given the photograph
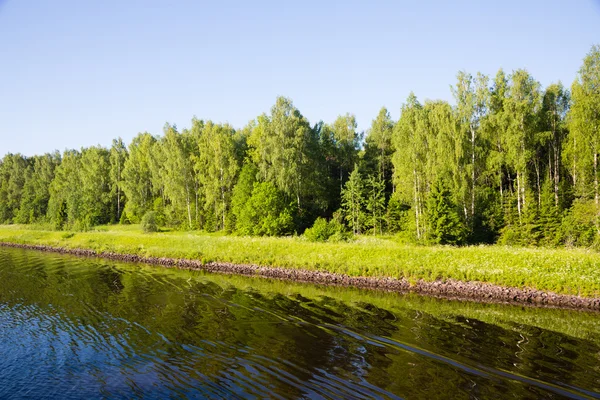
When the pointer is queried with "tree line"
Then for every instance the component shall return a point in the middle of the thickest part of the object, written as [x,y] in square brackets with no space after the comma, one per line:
[510,162]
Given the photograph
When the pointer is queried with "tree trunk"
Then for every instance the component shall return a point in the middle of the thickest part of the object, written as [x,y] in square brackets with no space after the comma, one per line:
[519,196]
[189,206]
[417,206]
[196,192]
[539,188]
[596,187]
[118,190]
[556,160]
[472,174]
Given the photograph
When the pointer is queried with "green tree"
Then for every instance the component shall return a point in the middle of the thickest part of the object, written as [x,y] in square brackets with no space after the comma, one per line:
[266,212]
[13,169]
[555,106]
[346,140]
[379,148]
[583,144]
[137,177]
[471,96]
[217,167]
[410,159]
[445,225]
[353,201]
[375,203]
[64,202]
[174,168]
[94,188]
[242,192]
[118,156]
[280,146]
[39,175]
[521,106]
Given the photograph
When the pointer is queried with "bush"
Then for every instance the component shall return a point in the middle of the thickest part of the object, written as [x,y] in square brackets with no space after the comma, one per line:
[323,231]
[124,220]
[265,213]
[320,231]
[578,226]
[149,222]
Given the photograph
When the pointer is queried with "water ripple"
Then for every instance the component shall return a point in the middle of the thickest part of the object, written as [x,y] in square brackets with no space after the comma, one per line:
[77,328]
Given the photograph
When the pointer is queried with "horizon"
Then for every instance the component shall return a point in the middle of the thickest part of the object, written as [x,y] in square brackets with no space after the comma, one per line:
[83,75]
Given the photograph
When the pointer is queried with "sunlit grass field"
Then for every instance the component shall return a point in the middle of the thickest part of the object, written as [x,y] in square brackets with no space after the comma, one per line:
[567,271]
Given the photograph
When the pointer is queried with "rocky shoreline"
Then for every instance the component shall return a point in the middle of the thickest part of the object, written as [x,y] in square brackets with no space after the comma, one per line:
[449,288]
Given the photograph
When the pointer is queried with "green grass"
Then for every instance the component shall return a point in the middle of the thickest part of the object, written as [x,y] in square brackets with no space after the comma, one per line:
[566,271]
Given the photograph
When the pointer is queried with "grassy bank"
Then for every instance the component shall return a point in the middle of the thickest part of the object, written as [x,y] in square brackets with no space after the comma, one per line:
[559,270]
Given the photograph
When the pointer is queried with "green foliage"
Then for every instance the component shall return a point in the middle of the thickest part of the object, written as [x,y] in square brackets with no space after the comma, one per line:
[353,202]
[445,226]
[124,220]
[397,215]
[137,177]
[323,231]
[375,204]
[579,225]
[149,222]
[265,213]
[118,156]
[517,163]
[319,232]
[242,192]
[13,171]
[217,168]
[280,146]
[379,148]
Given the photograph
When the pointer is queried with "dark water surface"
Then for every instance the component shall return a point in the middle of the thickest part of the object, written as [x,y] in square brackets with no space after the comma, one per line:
[86,328]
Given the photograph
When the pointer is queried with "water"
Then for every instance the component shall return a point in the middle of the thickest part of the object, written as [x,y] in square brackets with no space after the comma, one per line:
[87,328]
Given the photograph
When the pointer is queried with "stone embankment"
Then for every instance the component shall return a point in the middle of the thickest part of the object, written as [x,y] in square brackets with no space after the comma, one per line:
[449,288]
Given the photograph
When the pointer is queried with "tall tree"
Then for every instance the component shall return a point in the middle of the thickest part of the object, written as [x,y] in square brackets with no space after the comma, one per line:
[65,203]
[94,189]
[445,224]
[34,202]
[174,168]
[219,166]
[346,141]
[584,130]
[353,201]
[555,106]
[375,203]
[410,159]
[118,156]
[13,169]
[471,96]
[521,106]
[280,146]
[379,147]
[137,177]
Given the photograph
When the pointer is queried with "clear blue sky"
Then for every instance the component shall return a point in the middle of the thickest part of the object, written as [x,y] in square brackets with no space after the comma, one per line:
[78,73]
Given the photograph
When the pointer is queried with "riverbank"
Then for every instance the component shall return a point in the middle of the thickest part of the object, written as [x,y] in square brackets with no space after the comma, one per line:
[561,278]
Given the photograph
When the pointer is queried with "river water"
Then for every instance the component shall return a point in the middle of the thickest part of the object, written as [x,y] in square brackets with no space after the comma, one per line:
[87,328]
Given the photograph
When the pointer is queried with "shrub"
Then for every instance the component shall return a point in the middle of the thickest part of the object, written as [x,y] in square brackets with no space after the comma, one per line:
[323,231]
[320,231]
[149,222]
[578,226]
[265,213]
[124,220]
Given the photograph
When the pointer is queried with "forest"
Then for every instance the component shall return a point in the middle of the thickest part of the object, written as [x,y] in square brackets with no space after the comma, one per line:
[509,162]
